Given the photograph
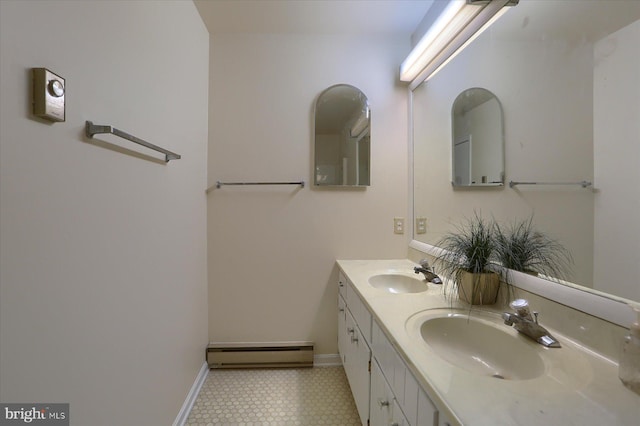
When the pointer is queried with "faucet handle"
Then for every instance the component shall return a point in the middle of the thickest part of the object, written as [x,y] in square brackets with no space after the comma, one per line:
[424,263]
[519,304]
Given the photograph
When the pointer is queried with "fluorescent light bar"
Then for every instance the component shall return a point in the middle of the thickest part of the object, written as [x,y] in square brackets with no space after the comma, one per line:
[459,23]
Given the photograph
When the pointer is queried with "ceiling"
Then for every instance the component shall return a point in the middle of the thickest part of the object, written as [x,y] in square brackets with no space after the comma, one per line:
[368,17]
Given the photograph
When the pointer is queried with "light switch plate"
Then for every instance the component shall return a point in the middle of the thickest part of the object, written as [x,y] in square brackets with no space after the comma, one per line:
[49,93]
[421,225]
[398,225]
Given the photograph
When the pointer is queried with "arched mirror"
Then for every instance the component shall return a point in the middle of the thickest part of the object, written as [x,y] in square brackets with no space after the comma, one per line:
[342,137]
[477,144]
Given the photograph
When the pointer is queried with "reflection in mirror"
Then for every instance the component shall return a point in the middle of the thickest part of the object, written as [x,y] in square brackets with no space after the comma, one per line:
[342,137]
[567,75]
[477,139]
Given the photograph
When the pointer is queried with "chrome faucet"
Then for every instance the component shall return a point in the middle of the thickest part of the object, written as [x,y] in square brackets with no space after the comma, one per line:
[522,321]
[427,270]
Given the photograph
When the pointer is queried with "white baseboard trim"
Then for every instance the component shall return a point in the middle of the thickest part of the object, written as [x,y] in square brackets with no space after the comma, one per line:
[183,415]
[327,360]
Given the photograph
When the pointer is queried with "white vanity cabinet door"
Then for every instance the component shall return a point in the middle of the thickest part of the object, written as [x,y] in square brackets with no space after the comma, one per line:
[360,312]
[410,404]
[398,418]
[399,373]
[381,398]
[356,366]
[427,412]
[391,363]
[343,336]
[382,351]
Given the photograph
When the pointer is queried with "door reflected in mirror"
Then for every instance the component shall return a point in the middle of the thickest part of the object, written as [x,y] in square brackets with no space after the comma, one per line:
[342,137]
[477,139]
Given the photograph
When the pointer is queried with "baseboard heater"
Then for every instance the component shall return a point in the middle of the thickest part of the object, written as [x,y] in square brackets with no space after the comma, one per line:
[260,355]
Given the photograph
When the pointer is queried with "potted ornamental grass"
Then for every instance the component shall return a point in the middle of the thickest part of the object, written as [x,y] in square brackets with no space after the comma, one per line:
[468,258]
[520,247]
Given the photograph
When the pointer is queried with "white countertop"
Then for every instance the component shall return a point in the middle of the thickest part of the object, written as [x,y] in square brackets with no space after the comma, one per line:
[579,387]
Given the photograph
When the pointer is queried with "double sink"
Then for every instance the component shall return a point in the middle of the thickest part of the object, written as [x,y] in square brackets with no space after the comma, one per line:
[479,371]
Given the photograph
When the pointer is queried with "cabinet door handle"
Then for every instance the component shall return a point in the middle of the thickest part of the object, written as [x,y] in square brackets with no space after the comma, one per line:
[383,403]
[350,330]
[341,310]
[354,339]
[340,284]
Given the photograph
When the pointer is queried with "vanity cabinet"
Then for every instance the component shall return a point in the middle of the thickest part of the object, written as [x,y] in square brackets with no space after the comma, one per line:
[385,410]
[385,391]
[381,402]
[403,386]
[356,365]
[354,334]
[426,411]
[342,328]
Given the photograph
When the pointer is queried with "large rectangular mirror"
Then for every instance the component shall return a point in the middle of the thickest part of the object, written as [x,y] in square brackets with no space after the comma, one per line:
[567,74]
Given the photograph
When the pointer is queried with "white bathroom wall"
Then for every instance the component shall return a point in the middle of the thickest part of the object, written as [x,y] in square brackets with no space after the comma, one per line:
[103,281]
[272,250]
[616,153]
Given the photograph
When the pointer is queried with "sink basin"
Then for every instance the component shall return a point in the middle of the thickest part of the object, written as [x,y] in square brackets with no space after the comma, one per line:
[398,283]
[479,343]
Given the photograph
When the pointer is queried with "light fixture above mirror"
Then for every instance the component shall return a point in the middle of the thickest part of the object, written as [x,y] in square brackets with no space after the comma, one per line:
[451,26]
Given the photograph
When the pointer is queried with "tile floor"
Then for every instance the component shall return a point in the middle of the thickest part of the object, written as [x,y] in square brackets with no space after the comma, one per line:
[282,397]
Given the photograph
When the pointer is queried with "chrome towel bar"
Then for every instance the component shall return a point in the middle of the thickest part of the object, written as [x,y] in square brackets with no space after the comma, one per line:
[584,183]
[94,129]
[220,184]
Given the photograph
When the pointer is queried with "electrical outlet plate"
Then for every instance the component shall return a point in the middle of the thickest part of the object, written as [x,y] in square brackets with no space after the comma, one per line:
[421,225]
[398,225]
